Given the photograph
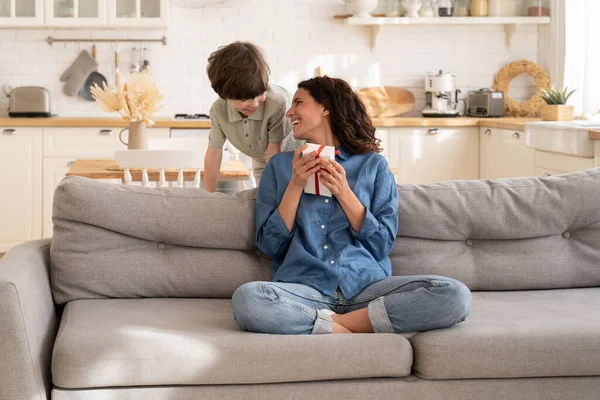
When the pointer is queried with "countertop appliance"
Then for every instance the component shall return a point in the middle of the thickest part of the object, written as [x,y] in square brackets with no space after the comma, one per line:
[485,103]
[29,101]
[191,116]
[439,89]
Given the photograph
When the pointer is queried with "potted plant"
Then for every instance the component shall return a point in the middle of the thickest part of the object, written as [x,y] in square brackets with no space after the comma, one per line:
[556,108]
[136,101]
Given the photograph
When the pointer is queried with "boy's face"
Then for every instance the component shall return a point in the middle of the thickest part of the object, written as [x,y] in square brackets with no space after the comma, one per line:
[308,117]
[248,106]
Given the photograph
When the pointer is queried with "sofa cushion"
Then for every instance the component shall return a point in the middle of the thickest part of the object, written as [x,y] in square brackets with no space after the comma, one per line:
[130,241]
[543,333]
[509,234]
[148,342]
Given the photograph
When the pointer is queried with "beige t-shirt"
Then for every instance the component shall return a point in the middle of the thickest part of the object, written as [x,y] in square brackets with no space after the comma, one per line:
[251,135]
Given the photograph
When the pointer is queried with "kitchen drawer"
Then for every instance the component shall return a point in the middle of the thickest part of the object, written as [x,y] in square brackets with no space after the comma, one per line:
[82,142]
[561,162]
[546,172]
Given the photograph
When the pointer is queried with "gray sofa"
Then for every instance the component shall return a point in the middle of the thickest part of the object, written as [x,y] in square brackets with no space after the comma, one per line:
[131,300]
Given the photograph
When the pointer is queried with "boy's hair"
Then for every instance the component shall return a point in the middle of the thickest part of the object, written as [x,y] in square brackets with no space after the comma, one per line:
[238,71]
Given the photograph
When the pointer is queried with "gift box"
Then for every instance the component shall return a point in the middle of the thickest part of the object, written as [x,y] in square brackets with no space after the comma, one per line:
[313,184]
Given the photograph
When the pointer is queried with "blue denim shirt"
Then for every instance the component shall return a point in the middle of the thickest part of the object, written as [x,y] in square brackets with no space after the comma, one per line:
[323,250]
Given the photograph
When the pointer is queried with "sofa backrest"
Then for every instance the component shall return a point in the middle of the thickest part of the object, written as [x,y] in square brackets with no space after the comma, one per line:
[508,234]
[126,241]
[129,241]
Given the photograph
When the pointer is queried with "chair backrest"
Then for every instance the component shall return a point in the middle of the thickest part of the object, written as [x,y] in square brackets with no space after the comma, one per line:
[164,155]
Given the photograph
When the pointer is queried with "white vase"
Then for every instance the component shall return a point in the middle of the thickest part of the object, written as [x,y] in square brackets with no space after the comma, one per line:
[412,7]
[361,8]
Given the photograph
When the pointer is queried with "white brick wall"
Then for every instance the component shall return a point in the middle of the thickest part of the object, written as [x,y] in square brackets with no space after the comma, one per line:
[297,35]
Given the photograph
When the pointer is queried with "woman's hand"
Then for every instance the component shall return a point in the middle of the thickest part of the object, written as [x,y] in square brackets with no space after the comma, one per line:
[333,177]
[303,167]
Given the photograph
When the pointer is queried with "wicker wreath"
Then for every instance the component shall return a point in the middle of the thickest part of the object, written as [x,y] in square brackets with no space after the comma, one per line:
[508,73]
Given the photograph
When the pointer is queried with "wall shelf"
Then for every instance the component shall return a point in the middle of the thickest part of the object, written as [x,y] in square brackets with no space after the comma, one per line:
[511,24]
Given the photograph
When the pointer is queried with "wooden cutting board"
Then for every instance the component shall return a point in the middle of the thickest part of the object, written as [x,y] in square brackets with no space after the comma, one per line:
[386,101]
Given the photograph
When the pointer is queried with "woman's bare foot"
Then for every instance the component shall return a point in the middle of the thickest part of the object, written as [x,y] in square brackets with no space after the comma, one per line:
[338,328]
[356,321]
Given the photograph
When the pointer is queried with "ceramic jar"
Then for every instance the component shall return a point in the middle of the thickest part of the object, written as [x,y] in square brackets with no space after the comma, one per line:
[479,8]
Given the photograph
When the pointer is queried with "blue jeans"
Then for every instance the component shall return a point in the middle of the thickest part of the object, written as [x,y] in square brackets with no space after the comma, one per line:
[396,304]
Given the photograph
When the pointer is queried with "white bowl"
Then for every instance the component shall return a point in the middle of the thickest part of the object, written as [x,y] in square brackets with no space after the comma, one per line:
[361,8]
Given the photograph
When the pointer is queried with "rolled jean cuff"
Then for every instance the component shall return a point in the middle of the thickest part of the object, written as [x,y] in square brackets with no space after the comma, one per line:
[323,324]
[379,318]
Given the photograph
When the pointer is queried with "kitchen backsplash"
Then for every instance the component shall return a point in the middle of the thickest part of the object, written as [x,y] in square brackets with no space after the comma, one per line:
[297,35]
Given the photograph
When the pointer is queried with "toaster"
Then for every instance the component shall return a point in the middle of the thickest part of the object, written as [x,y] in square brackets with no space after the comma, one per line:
[485,103]
[29,101]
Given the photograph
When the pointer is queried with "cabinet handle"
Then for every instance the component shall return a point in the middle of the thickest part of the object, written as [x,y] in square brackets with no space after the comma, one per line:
[516,135]
[9,132]
[488,132]
[70,164]
[106,132]
[433,131]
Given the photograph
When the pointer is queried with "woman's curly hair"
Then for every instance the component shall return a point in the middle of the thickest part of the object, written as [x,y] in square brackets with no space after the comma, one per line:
[347,115]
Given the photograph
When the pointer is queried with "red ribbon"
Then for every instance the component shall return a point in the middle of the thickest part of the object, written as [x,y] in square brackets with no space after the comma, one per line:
[319,150]
[317,192]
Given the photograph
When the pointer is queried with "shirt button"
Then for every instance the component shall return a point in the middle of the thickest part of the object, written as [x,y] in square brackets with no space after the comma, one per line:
[161,246]
[566,235]
[469,242]
[325,247]
[322,226]
[332,262]
[326,200]
[250,145]
[247,135]
[245,121]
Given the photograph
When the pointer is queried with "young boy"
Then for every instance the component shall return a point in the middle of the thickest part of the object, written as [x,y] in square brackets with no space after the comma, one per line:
[250,113]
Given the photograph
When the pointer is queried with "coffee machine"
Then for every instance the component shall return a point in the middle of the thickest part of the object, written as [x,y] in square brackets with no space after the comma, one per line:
[439,90]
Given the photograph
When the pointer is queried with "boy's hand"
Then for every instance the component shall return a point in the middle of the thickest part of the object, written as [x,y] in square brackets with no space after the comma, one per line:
[333,177]
[303,167]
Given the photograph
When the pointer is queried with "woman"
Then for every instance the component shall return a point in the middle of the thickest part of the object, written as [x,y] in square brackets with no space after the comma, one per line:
[331,270]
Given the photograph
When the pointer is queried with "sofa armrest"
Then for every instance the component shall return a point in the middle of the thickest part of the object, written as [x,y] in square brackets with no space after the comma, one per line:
[28,322]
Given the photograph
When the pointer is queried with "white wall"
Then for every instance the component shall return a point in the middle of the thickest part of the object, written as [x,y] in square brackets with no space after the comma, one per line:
[297,35]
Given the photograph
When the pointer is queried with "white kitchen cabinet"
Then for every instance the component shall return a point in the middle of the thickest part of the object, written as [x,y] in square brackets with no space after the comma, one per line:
[547,163]
[98,142]
[21,185]
[21,13]
[503,154]
[75,13]
[138,13]
[62,146]
[597,153]
[427,155]
[384,136]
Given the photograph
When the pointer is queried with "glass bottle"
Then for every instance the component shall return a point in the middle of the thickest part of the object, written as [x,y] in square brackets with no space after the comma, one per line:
[538,8]
[479,8]
[446,8]
[502,8]
[463,8]
[392,8]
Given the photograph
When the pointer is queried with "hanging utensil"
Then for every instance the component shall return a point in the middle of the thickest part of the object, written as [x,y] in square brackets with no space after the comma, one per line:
[135,65]
[117,66]
[94,78]
[145,62]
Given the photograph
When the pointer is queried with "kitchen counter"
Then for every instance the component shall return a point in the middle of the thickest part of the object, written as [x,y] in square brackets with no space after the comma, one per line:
[503,123]
[594,135]
[99,121]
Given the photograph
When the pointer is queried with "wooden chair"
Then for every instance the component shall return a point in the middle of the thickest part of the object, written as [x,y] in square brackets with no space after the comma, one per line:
[165,155]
